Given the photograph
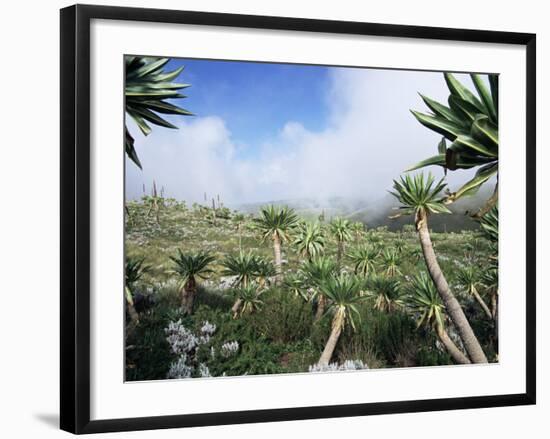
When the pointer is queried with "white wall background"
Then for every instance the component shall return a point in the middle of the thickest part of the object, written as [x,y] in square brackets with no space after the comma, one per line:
[29,180]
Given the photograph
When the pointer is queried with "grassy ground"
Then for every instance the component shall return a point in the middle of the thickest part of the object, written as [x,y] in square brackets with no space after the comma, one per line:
[281,337]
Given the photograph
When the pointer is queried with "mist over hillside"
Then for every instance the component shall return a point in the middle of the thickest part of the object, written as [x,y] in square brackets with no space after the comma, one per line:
[375,213]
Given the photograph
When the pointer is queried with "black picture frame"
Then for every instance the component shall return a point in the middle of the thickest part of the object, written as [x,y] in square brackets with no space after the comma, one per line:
[75,217]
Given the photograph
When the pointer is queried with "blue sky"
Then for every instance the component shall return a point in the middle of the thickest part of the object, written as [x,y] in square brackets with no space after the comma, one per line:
[254,99]
[266,132]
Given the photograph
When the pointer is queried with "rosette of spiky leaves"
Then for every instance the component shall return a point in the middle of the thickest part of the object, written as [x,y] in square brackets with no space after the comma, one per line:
[424,303]
[391,261]
[318,270]
[415,253]
[419,195]
[310,240]
[470,278]
[423,300]
[296,283]
[364,259]
[135,269]
[489,228]
[489,224]
[489,278]
[265,270]
[250,297]
[341,229]
[243,265]
[147,91]
[276,221]
[358,228]
[190,266]
[470,123]
[374,237]
[399,244]
[386,292]
[344,292]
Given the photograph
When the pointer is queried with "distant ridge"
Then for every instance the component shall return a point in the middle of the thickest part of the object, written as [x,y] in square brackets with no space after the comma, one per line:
[376,213]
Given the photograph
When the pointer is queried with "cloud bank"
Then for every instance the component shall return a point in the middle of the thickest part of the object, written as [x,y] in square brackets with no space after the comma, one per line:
[370,137]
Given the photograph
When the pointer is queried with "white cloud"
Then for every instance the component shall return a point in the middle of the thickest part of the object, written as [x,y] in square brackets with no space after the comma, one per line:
[370,138]
[197,158]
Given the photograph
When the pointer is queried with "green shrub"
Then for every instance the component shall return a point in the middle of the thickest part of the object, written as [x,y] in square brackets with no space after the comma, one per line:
[283,318]
[281,336]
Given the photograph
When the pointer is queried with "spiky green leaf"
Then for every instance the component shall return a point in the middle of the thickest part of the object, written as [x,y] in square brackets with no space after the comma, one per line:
[485,96]
[440,125]
[457,89]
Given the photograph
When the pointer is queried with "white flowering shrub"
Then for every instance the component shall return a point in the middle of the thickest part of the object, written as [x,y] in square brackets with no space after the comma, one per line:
[353,365]
[228,349]
[180,369]
[185,344]
[180,339]
[207,330]
[204,372]
[334,367]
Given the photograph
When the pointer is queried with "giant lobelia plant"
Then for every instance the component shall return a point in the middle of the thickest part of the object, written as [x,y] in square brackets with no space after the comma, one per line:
[470,124]
[420,196]
[147,90]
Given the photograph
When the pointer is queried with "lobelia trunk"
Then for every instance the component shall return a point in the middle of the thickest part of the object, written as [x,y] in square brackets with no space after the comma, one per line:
[324,360]
[494,305]
[128,214]
[188,295]
[494,313]
[340,252]
[451,347]
[482,303]
[471,343]
[134,316]
[491,202]
[235,307]
[190,301]
[278,258]
[320,307]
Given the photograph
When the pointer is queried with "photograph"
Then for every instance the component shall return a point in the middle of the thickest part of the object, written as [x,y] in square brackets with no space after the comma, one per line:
[272,220]
[294,218]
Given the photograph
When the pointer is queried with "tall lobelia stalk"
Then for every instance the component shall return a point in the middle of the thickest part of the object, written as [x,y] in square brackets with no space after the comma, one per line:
[245,267]
[343,290]
[341,230]
[421,197]
[275,224]
[470,278]
[317,271]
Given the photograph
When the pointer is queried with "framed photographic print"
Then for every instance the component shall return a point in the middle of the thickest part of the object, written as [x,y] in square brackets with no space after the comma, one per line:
[268,218]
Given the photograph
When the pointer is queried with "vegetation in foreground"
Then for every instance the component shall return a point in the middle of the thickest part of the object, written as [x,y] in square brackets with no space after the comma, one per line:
[207,298]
